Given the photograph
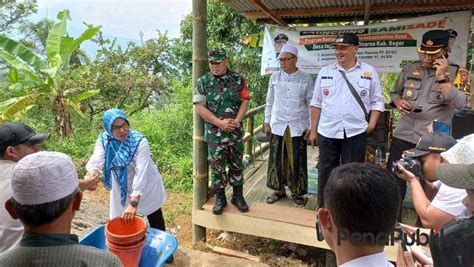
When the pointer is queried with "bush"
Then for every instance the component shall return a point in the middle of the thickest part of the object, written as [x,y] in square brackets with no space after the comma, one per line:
[168,130]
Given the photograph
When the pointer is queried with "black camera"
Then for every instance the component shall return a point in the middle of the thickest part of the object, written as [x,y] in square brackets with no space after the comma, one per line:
[412,165]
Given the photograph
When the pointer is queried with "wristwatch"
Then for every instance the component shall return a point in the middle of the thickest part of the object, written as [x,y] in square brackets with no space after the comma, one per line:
[134,203]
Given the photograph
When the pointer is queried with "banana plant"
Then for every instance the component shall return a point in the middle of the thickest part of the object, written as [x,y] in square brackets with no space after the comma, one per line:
[46,80]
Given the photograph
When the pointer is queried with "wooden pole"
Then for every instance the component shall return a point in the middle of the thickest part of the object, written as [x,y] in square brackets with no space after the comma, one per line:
[367,8]
[248,143]
[200,168]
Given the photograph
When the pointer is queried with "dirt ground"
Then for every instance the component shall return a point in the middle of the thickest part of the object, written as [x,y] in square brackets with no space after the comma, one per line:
[95,208]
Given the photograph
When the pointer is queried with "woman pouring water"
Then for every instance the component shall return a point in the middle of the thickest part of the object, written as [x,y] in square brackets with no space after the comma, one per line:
[122,158]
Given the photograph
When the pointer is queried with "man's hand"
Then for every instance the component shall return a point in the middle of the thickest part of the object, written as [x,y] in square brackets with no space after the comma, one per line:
[370,128]
[441,66]
[128,214]
[404,174]
[89,183]
[227,125]
[313,137]
[267,129]
[95,174]
[403,106]
[404,258]
[306,134]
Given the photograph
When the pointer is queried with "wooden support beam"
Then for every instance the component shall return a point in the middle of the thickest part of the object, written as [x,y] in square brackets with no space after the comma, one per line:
[368,6]
[269,13]
[200,171]
[270,221]
[388,8]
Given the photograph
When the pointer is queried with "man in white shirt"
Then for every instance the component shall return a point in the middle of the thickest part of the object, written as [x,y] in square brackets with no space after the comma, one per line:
[18,140]
[340,121]
[447,202]
[287,123]
[361,208]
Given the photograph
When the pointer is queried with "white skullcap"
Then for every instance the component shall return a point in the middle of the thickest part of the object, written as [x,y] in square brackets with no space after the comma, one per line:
[289,49]
[462,152]
[43,177]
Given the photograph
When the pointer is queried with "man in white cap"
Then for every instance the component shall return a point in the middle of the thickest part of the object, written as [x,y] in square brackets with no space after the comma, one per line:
[287,123]
[45,198]
[346,105]
[18,140]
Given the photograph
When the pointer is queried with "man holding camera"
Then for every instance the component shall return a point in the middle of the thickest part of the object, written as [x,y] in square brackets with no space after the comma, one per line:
[424,92]
[446,201]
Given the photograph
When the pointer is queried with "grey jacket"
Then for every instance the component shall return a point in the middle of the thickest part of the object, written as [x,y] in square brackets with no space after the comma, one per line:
[417,85]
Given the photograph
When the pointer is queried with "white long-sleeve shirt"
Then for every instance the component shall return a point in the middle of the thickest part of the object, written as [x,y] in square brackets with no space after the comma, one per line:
[339,109]
[144,180]
[11,231]
[288,102]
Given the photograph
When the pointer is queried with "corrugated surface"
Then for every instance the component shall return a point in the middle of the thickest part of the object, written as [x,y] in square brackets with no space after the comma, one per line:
[422,6]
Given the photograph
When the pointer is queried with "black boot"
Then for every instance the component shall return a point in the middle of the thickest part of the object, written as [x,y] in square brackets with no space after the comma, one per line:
[238,199]
[221,202]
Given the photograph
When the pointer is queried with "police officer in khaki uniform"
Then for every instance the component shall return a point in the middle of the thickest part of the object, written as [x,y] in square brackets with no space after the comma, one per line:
[424,92]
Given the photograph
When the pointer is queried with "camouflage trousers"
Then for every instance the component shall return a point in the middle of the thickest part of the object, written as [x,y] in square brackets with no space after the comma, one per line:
[225,161]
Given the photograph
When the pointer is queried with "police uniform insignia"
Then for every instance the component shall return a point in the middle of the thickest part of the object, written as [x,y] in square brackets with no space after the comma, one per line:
[411,85]
[429,42]
[363,93]
[325,92]
[367,75]
[416,73]
[409,93]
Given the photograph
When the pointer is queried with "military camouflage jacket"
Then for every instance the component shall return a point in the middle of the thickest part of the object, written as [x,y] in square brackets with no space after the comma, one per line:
[222,96]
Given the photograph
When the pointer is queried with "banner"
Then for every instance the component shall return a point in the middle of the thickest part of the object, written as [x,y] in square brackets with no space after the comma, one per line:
[387,46]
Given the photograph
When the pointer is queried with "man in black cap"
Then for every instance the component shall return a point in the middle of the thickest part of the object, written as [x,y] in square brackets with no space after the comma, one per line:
[280,41]
[444,202]
[423,93]
[17,140]
[454,51]
[272,56]
[344,94]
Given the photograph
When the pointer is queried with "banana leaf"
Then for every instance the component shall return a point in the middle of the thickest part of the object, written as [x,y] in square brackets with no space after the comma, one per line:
[18,104]
[16,49]
[83,96]
[55,36]
[69,45]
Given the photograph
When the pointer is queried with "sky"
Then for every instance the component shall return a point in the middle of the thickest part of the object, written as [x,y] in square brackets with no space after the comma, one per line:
[119,18]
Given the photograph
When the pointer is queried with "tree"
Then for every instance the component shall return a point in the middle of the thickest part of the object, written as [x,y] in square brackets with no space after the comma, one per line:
[225,29]
[49,81]
[131,78]
[12,13]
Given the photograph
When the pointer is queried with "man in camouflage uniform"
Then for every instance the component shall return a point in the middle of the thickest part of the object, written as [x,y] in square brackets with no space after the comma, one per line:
[221,98]
[424,92]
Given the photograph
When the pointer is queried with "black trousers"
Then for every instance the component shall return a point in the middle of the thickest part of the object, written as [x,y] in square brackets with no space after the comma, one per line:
[396,151]
[156,220]
[334,152]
